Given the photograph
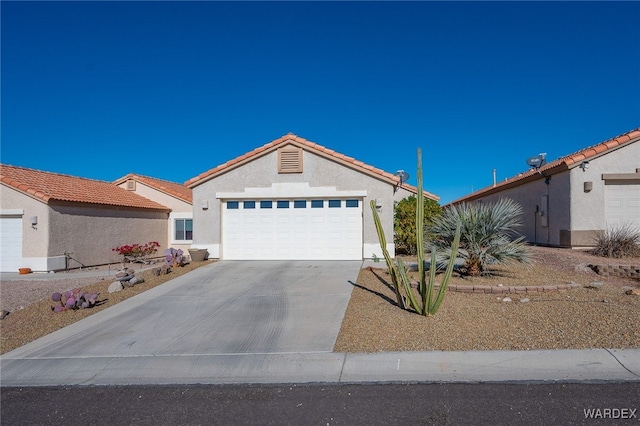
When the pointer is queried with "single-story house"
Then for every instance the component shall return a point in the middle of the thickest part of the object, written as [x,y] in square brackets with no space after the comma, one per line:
[294,199]
[50,221]
[175,196]
[568,201]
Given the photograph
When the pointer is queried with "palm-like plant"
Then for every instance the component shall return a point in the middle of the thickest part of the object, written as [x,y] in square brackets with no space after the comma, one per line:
[486,234]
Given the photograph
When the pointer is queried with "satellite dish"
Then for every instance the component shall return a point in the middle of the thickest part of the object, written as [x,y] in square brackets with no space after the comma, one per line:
[404,176]
[537,161]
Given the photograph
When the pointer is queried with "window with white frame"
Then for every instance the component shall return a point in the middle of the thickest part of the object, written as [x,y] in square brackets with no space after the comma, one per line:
[183,229]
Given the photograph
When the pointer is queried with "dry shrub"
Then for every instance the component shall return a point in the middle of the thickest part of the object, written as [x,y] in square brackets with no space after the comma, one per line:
[618,242]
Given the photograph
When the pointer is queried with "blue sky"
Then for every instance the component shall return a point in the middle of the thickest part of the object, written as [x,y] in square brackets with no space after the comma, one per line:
[172,89]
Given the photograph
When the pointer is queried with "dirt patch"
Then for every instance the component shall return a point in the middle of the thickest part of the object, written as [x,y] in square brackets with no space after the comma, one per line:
[579,318]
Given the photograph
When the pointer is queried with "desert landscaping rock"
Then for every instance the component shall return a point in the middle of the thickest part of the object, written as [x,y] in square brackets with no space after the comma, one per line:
[577,319]
[507,299]
[595,284]
[525,300]
[115,287]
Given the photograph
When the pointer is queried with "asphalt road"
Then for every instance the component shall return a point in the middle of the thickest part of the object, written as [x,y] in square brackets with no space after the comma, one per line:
[346,404]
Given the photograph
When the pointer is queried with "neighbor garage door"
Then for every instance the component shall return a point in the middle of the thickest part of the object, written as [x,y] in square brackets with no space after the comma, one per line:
[296,229]
[10,243]
[622,204]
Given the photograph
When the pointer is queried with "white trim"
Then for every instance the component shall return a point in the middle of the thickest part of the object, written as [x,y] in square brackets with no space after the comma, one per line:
[369,251]
[12,212]
[172,225]
[44,264]
[288,190]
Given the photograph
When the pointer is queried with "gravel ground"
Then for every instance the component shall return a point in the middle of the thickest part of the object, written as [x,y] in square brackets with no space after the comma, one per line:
[579,318]
[36,319]
[28,289]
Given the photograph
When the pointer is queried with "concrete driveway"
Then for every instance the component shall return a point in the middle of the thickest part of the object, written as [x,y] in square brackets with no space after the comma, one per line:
[228,310]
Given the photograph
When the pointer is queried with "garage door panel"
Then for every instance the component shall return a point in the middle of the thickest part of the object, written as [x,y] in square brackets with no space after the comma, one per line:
[622,205]
[11,247]
[294,233]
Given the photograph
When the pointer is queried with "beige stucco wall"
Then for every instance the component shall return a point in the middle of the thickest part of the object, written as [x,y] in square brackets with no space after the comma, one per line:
[588,208]
[574,215]
[90,232]
[529,196]
[262,172]
[179,209]
[34,239]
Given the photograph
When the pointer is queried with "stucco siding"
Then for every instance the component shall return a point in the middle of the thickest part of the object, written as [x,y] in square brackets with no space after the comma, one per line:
[90,232]
[262,172]
[34,239]
[530,197]
[179,209]
[588,208]
[173,203]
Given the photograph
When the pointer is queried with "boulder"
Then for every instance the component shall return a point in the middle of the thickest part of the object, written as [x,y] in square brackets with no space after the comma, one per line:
[595,284]
[115,287]
[136,280]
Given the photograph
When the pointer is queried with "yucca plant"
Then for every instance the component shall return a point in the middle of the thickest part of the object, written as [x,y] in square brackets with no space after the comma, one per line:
[428,301]
[486,234]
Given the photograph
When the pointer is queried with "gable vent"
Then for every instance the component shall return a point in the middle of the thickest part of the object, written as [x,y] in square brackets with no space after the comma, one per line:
[131,185]
[290,160]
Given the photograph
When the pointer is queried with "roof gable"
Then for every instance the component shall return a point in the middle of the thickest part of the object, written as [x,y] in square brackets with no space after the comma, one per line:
[174,189]
[47,187]
[291,139]
[561,164]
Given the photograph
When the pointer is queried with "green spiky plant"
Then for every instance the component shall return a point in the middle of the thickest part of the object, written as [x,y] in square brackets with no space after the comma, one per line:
[487,230]
[428,300]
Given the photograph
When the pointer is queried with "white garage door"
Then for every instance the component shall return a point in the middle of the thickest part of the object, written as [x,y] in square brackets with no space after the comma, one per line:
[293,229]
[11,244]
[622,205]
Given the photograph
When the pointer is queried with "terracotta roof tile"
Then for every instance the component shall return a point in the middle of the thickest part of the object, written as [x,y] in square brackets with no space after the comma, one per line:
[562,163]
[47,186]
[174,189]
[311,146]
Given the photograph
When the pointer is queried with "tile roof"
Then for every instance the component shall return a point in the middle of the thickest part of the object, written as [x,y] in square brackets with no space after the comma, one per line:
[47,186]
[174,189]
[309,146]
[561,164]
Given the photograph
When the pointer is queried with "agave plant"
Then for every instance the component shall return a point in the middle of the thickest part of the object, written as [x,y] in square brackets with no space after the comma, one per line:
[486,234]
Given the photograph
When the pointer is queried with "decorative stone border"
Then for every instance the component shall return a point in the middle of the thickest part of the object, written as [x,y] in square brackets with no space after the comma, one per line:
[624,271]
[500,289]
[495,289]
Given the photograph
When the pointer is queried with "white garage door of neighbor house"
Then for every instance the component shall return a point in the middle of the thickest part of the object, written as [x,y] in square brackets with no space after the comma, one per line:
[294,229]
[622,205]
[11,244]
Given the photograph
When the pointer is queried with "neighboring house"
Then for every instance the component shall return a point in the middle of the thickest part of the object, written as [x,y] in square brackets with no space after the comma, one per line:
[293,199]
[50,221]
[177,197]
[568,201]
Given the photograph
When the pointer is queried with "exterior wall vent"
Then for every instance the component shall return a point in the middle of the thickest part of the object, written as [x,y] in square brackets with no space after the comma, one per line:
[290,160]
[131,185]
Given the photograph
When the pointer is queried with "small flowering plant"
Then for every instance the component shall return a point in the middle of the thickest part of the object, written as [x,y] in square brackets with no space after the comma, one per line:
[137,252]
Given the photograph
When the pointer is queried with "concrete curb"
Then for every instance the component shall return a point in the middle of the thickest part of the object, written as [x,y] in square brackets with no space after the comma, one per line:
[591,365]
